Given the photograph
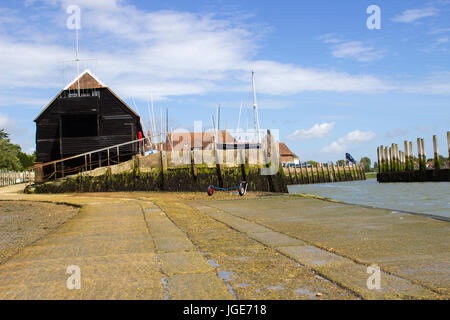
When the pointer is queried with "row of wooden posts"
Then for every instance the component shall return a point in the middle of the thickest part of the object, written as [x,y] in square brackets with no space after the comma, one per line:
[8,177]
[325,173]
[391,159]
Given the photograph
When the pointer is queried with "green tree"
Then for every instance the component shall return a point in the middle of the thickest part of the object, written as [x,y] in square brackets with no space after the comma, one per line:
[26,160]
[11,155]
[312,162]
[8,156]
[365,162]
[4,135]
[341,162]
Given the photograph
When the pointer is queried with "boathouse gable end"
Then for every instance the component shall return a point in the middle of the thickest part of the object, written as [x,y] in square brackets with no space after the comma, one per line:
[78,121]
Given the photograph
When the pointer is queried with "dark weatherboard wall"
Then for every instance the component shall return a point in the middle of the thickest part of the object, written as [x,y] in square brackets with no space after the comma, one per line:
[77,123]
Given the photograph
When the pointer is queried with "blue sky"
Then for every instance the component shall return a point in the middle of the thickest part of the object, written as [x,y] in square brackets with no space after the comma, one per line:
[327,82]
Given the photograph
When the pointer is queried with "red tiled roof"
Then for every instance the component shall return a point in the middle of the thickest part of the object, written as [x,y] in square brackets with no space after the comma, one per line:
[285,151]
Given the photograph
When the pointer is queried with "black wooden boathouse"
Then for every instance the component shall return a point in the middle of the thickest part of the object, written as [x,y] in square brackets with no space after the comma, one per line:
[85,116]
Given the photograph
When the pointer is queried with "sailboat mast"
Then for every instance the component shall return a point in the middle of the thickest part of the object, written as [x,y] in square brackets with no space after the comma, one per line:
[153,114]
[255,107]
[77,60]
[239,118]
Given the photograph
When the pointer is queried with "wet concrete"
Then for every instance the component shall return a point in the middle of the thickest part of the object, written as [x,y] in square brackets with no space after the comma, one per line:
[146,245]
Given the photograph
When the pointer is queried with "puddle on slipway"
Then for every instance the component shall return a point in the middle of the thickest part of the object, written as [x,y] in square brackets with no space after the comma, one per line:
[213,263]
[165,288]
[277,288]
[305,292]
[224,275]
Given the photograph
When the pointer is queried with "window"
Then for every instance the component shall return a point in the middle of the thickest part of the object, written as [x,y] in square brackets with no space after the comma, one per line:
[79,126]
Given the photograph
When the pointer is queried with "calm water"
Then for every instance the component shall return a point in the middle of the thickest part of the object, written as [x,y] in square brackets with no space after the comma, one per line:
[427,197]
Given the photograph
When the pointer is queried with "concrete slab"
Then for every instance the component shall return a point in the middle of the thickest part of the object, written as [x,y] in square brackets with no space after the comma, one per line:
[241,224]
[197,287]
[311,256]
[276,239]
[183,262]
[173,244]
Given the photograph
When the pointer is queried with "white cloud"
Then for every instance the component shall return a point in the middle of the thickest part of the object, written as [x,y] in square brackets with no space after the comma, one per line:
[437,83]
[171,52]
[285,79]
[411,15]
[352,138]
[6,122]
[439,30]
[356,50]
[396,133]
[441,40]
[318,131]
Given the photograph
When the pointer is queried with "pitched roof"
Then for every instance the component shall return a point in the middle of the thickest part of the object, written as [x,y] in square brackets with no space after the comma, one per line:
[87,81]
[285,151]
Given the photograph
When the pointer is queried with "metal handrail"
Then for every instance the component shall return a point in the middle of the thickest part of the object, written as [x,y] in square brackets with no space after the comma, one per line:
[96,151]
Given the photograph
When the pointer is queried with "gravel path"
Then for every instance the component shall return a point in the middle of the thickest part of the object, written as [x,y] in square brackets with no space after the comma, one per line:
[24,222]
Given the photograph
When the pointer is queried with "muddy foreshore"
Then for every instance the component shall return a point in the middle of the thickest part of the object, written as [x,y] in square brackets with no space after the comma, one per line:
[24,222]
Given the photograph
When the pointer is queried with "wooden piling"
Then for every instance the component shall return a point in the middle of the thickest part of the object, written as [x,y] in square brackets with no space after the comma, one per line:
[345,173]
[340,172]
[405,145]
[329,175]
[395,157]
[334,172]
[437,164]
[290,176]
[448,145]
[424,154]
[307,174]
[411,156]
[323,172]
[419,153]
[379,159]
[301,174]
[390,159]
[355,173]
[295,172]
